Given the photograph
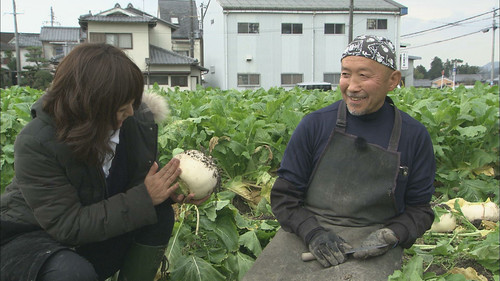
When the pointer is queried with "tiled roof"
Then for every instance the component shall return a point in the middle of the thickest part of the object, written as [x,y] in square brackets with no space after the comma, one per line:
[422,83]
[122,15]
[27,40]
[162,56]
[115,19]
[310,5]
[181,10]
[60,34]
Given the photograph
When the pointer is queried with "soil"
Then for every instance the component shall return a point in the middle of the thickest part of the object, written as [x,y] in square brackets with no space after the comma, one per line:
[464,263]
[241,205]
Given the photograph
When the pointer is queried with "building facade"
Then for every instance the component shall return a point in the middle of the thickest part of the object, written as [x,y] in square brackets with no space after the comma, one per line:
[279,43]
[147,40]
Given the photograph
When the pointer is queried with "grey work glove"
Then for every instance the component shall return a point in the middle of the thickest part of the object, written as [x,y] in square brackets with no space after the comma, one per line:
[378,237]
[328,248]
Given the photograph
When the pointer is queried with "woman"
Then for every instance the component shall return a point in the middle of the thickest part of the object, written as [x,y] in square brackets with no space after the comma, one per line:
[88,198]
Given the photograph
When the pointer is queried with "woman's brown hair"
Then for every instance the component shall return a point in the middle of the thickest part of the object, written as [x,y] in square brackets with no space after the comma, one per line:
[91,83]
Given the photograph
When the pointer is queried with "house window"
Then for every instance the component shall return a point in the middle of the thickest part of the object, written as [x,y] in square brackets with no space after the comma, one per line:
[58,50]
[121,40]
[248,27]
[181,81]
[334,28]
[291,28]
[247,79]
[158,78]
[291,78]
[333,78]
[174,20]
[376,24]
[182,52]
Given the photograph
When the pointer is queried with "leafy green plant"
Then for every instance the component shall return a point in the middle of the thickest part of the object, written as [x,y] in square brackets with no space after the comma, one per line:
[15,104]
[463,125]
[247,132]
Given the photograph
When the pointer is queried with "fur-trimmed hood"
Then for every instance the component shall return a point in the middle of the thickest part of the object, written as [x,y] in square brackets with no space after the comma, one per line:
[158,106]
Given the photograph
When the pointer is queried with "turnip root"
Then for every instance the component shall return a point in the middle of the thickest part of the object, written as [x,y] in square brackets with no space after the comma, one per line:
[446,223]
[476,210]
[480,211]
[473,212]
[199,175]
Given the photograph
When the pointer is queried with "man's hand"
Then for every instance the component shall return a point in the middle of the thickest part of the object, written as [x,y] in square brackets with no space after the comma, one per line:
[381,236]
[328,248]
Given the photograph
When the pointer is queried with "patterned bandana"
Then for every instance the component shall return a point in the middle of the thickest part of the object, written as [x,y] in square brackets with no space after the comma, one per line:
[377,48]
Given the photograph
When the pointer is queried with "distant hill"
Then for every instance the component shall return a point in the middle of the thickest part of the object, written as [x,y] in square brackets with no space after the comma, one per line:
[487,67]
[485,70]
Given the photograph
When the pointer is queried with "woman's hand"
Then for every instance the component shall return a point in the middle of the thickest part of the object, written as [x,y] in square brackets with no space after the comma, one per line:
[160,183]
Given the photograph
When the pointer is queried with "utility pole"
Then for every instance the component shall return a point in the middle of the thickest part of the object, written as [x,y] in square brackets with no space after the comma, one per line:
[493,48]
[191,33]
[18,55]
[52,17]
[454,73]
[351,20]
[203,11]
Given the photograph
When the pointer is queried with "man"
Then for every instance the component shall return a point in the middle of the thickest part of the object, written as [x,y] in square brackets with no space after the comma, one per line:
[356,174]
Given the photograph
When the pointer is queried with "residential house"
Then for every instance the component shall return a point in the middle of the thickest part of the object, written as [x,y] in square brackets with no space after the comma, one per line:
[5,38]
[441,82]
[7,66]
[249,44]
[26,40]
[147,40]
[183,14]
[468,79]
[58,41]
[422,83]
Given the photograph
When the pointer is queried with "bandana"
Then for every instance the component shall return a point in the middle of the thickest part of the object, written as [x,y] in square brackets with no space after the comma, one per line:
[377,48]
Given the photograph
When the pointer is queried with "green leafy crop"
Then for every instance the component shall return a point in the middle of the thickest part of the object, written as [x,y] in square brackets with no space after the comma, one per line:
[246,132]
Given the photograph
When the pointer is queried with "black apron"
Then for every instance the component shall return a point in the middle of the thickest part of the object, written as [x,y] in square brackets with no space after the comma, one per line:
[352,193]
[353,184]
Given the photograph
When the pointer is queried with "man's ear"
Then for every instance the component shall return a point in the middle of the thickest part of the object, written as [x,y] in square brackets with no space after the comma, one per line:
[394,79]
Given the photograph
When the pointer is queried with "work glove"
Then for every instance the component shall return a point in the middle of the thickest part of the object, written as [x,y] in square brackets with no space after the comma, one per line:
[328,248]
[378,237]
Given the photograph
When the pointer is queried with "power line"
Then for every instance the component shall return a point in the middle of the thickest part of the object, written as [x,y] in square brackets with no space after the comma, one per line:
[445,25]
[444,40]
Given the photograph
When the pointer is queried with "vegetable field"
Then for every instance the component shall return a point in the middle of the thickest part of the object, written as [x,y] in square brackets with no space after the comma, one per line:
[246,132]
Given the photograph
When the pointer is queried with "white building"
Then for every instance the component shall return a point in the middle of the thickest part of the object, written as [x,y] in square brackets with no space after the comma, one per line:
[278,43]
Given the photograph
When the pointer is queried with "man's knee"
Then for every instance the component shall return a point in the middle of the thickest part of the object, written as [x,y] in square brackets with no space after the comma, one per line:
[67,265]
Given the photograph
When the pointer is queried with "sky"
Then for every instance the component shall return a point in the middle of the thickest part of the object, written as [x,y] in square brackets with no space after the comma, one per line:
[474,49]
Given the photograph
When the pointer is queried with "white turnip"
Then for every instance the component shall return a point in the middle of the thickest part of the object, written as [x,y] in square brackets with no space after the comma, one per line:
[199,175]
[446,223]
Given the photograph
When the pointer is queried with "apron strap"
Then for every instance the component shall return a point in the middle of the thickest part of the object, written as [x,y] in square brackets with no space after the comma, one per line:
[341,117]
[341,124]
[396,130]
